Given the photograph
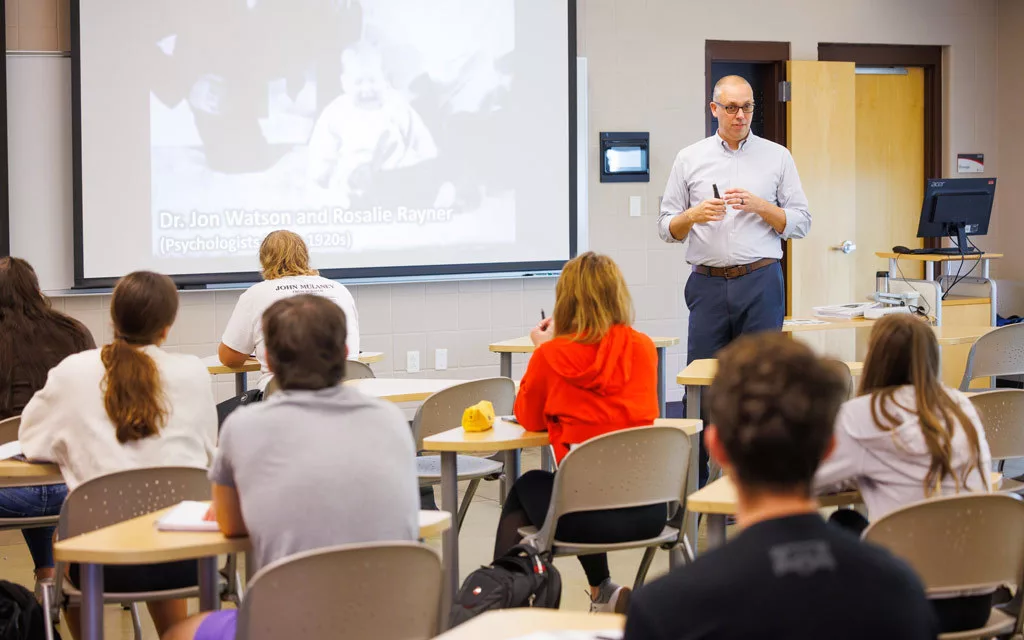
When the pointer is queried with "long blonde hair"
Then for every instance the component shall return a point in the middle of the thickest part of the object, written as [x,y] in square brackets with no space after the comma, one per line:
[282,254]
[903,351]
[591,296]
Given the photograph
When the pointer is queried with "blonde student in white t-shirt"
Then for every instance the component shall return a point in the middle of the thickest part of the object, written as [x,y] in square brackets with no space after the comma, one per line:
[284,263]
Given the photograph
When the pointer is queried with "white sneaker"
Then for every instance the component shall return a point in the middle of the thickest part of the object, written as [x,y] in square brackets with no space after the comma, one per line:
[611,598]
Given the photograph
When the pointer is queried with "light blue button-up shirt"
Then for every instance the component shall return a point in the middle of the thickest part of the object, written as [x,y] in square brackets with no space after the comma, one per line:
[761,167]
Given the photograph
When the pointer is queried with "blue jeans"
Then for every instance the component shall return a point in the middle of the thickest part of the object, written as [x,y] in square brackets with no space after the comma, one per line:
[34,502]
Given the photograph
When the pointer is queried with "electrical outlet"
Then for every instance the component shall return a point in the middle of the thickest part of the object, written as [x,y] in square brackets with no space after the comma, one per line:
[636,205]
[440,359]
[412,361]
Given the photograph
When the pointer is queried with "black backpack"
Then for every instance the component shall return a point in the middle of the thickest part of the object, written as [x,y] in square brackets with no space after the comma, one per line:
[21,617]
[521,578]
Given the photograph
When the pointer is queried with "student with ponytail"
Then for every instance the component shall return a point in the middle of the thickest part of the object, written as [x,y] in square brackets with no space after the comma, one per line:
[908,437]
[128,405]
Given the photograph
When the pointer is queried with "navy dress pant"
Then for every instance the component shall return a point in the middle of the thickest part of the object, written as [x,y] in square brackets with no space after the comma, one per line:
[722,309]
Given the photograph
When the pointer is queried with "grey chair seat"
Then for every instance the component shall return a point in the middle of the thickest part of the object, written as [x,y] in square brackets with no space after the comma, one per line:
[998,623]
[428,468]
[1011,485]
[28,523]
[668,535]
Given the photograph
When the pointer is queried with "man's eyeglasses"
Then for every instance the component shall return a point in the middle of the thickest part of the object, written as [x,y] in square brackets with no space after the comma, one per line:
[731,109]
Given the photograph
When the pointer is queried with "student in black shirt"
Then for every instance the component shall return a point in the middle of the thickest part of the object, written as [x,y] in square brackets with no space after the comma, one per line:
[787,574]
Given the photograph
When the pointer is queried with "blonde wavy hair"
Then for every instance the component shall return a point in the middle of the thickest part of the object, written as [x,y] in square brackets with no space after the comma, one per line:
[283,254]
[591,296]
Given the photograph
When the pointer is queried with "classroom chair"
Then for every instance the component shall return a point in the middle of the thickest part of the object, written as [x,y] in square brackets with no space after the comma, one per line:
[997,353]
[355,370]
[1002,415]
[960,543]
[9,433]
[627,468]
[443,411]
[385,591]
[120,496]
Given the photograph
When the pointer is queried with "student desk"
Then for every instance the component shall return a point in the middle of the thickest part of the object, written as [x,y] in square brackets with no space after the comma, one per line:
[516,623]
[214,366]
[402,389]
[507,437]
[17,473]
[510,438]
[524,345]
[718,500]
[137,541]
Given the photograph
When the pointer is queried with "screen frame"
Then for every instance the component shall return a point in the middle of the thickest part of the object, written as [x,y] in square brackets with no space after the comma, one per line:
[383,274]
[935,188]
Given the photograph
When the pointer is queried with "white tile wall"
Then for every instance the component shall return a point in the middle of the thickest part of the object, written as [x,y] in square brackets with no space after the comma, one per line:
[643,76]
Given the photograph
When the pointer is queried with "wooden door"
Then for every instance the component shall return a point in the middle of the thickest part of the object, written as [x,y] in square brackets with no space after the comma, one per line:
[890,174]
[822,138]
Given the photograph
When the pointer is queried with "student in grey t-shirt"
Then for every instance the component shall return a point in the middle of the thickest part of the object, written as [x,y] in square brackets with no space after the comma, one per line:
[318,464]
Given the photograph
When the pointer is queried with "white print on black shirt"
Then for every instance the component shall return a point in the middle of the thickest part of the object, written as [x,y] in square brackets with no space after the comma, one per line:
[802,558]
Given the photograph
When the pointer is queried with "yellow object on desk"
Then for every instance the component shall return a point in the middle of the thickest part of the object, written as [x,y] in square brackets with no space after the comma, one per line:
[479,417]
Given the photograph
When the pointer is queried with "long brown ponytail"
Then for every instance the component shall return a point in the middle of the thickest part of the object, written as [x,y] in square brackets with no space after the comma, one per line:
[144,304]
[903,351]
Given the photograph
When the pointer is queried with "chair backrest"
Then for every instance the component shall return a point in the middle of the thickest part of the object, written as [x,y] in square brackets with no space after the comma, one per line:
[272,387]
[997,353]
[957,543]
[443,410]
[9,429]
[355,370]
[122,495]
[626,468]
[385,591]
[1002,416]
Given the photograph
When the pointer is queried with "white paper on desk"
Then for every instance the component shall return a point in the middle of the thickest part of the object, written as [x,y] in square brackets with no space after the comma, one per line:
[802,322]
[9,450]
[573,635]
[187,516]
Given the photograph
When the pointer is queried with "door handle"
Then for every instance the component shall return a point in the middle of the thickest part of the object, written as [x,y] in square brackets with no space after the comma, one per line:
[847,247]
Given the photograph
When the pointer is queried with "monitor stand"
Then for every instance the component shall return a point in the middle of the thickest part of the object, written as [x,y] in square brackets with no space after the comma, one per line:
[958,250]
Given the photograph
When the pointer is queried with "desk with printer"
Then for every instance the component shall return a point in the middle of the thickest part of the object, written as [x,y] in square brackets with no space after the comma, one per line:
[957,289]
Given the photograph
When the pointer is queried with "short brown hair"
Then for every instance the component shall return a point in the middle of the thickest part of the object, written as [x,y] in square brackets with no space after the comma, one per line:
[305,339]
[591,296]
[284,253]
[773,404]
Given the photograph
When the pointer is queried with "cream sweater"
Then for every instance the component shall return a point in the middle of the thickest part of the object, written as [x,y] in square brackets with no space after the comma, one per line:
[889,467]
[66,422]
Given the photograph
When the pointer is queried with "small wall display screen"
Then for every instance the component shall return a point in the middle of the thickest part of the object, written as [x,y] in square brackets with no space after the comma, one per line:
[624,157]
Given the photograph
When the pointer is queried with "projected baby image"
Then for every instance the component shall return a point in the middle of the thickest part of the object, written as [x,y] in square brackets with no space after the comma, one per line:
[368,129]
[383,131]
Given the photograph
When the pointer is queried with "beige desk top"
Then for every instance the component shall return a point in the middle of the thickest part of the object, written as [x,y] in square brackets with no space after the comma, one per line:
[41,471]
[702,372]
[960,335]
[214,366]
[719,497]
[513,623]
[525,345]
[402,389]
[137,541]
[509,435]
[935,257]
[504,436]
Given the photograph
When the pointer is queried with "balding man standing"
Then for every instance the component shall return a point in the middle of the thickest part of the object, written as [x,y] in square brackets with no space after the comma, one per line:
[735,197]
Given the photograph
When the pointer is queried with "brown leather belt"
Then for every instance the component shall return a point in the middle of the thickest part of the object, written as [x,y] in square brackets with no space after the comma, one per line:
[733,272]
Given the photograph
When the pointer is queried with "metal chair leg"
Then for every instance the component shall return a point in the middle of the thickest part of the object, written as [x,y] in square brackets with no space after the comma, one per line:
[136,621]
[645,566]
[48,612]
[464,507]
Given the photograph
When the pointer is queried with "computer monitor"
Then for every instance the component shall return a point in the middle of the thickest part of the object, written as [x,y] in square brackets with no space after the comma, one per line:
[956,207]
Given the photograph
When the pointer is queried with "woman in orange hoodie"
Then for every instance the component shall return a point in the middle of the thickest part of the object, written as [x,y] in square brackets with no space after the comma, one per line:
[591,374]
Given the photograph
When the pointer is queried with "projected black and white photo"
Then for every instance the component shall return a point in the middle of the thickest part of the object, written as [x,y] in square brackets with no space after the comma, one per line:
[383,131]
[398,137]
